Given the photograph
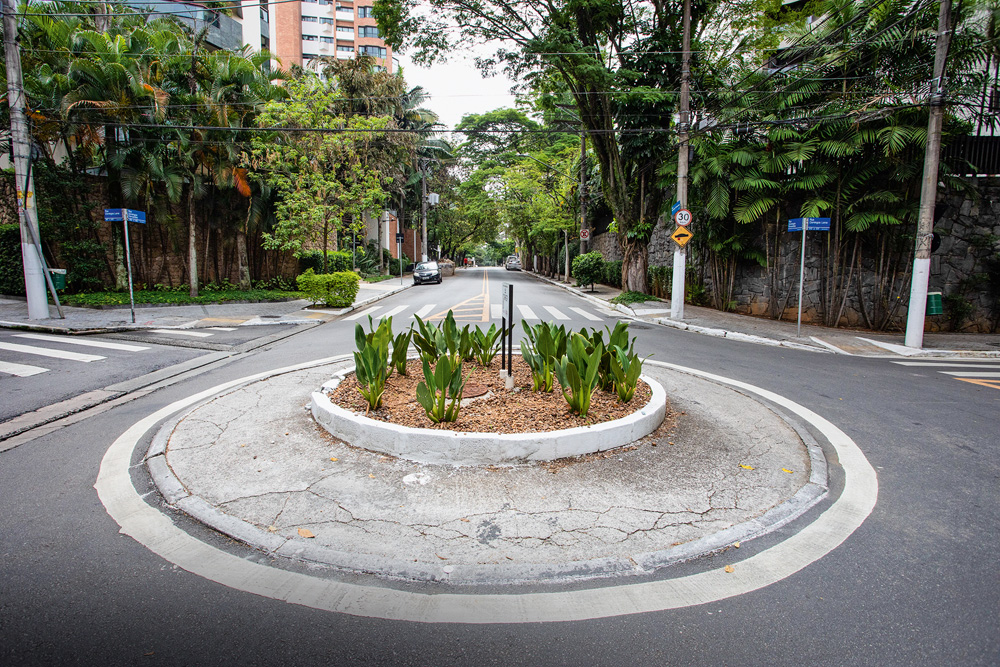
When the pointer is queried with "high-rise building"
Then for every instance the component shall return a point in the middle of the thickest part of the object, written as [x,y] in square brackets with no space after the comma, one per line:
[340,28]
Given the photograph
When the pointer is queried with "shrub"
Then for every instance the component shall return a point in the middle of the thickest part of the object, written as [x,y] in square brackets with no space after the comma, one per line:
[660,280]
[577,373]
[544,344]
[588,268]
[441,392]
[371,360]
[332,289]
[336,261]
[612,273]
[486,344]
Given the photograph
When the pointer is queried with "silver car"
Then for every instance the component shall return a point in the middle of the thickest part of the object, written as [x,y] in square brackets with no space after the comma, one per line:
[513,263]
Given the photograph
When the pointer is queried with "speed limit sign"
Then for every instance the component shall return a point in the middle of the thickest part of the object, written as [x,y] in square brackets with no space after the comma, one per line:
[683,217]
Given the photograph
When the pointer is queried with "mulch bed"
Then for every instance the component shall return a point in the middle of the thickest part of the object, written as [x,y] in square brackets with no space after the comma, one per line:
[501,411]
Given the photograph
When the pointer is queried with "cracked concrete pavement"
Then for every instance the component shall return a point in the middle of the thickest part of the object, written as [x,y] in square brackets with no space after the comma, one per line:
[252,463]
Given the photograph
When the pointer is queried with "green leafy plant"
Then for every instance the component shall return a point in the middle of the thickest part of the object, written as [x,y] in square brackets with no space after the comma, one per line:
[544,344]
[332,289]
[400,346]
[577,373]
[626,366]
[371,360]
[486,344]
[434,342]
[618,337]
[441,392]
[588,269]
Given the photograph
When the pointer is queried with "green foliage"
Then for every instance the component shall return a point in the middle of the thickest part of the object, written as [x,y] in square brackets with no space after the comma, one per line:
[612,273]
[543,345]
[577,372]
[626,366]
[433,342]
[332,289]
[11,268]
[177,296]
[336,261]
[371,360]
[441,392]
[400,346]
[618,337]
[626,298]
[660,280]
[486,344]
[588,268]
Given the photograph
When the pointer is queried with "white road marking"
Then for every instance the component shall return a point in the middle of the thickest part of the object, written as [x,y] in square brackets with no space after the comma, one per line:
[182,332]
[589,316]
[947,364]
[46,352]
[222,328]
[495,311]
[423,312]
[393,311]
[527,313]
[361,313]
[556,313]
[972,375]
[88,342]
[20,370]
[158,533]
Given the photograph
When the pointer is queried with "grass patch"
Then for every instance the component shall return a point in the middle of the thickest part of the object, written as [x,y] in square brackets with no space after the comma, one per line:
[626,298]
[377,278]
[96,299]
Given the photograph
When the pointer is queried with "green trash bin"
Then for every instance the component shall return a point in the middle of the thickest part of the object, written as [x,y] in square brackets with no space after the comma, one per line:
[934,304]
[58,278]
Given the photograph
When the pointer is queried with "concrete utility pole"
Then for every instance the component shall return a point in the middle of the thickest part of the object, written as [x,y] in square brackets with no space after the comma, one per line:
[916,311]
[680,252]
[31,250]
[423,210]
[584,245]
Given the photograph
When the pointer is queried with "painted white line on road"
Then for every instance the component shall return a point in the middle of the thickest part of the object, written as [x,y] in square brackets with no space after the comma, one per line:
[527,313]
[46,352]
[88,342]
[556,313]
[222,328]
[495,311]
[972,375]
[393,311]
[182,332]
[20,370]
[589,316]
[158,533]
[423,312]
[361,313]
[947,364]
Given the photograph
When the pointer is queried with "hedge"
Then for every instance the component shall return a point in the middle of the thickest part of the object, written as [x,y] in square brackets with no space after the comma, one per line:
[336,261]
[332,289]
[588,269]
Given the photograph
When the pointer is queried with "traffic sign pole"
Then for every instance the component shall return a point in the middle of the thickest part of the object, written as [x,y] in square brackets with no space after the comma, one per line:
[802,275]
[128,261]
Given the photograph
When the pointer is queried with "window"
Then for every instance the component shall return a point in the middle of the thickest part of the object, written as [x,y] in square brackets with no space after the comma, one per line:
[368,31]
[365,12]
[346,49]
[326,21]
[326,40]
[263,14]
[345,32]
[374,51]
[310,19]
[308,38]
[325,2]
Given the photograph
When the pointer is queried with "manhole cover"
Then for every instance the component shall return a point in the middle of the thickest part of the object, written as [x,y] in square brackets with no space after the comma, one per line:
[473,390]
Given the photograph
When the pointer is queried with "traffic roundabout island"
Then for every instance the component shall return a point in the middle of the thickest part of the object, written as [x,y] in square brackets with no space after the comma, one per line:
[695,467]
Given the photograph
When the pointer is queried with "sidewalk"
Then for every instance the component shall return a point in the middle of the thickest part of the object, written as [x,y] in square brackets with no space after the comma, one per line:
[14,314]
[711,322]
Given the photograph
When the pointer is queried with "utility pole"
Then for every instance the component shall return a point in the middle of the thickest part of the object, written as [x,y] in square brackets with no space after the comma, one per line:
[31,249]
[916,311]
[423,210]
[584,244]
[680,252]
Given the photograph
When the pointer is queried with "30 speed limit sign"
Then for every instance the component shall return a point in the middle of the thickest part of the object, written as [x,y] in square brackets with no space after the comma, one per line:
[683,217]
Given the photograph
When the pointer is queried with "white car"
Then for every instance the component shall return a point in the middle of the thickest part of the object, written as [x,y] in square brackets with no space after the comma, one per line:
[513,263]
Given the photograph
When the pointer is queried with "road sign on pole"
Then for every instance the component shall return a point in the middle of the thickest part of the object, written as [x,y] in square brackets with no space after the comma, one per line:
[507,336]
[125,216]
[683,217]
[584,234]
[804,225]
[676,207]
[681,236]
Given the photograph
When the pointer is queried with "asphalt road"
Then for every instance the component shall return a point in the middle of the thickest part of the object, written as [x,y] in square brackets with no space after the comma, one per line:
[917,583]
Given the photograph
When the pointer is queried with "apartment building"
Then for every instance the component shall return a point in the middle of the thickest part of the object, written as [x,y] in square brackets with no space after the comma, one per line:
[309,29]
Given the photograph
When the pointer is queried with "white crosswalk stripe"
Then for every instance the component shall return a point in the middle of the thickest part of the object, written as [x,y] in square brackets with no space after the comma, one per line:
[495,313]
[967,374]
[589,316]
[960,368]
[425,310]
[48,352]
[527,313]
[556,313]
[361,313]
[393,311]
[20,370]
[182,332]
[86,342]
[222,328]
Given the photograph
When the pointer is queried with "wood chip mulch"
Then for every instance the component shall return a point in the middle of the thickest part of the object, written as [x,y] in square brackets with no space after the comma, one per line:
[500,411]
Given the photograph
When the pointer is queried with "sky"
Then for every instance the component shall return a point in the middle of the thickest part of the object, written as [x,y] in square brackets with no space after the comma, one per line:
[457,88]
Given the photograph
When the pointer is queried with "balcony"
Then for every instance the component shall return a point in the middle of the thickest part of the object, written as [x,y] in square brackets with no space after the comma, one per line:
[345,15]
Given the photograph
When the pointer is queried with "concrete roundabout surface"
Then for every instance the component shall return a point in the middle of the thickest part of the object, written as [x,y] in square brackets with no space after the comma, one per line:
[459,531]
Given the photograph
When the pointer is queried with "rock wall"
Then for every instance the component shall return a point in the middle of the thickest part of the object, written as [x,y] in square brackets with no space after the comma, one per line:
[965,269]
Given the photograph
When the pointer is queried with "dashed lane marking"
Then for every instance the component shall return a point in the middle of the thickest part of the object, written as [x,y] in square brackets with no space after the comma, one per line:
[87,342]
[46,352]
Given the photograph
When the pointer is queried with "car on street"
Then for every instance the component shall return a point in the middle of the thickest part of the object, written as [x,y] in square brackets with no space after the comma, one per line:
[513,263]
[426,272]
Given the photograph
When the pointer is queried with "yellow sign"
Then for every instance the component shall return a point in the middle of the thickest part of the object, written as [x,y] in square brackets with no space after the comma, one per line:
[681,236]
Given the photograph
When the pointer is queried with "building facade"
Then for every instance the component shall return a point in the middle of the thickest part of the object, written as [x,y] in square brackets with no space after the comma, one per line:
[342,29]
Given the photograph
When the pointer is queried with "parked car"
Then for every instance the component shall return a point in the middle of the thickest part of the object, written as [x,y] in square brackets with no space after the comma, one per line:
[513,263]
[426,272]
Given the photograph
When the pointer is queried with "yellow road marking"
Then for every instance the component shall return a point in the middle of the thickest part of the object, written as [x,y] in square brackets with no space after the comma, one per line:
[476,312]
[992,384]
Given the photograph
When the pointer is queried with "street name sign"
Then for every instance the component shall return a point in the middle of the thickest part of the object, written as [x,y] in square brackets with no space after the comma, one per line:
[676,207]
[810,224]
[681,236]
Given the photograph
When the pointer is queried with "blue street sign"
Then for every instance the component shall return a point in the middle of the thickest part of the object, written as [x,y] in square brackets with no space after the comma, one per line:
[115,215]
[676,207]
[112,215]
[136,216]
[809,224]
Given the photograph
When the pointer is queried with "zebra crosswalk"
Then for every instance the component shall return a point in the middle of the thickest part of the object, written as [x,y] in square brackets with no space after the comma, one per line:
[21,359]
[982,372]
[436,312]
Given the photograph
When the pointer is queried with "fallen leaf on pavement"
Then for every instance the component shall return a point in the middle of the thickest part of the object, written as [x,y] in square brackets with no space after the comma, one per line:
[786,470]
[465,520]
[441,557]
[305,532]
[334,458]
[736,544]
[746,467]
[730,569]
[272,529]
[371,475]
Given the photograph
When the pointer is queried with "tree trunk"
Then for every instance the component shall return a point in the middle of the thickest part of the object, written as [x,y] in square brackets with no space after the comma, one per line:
[192,245]
[635,261]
